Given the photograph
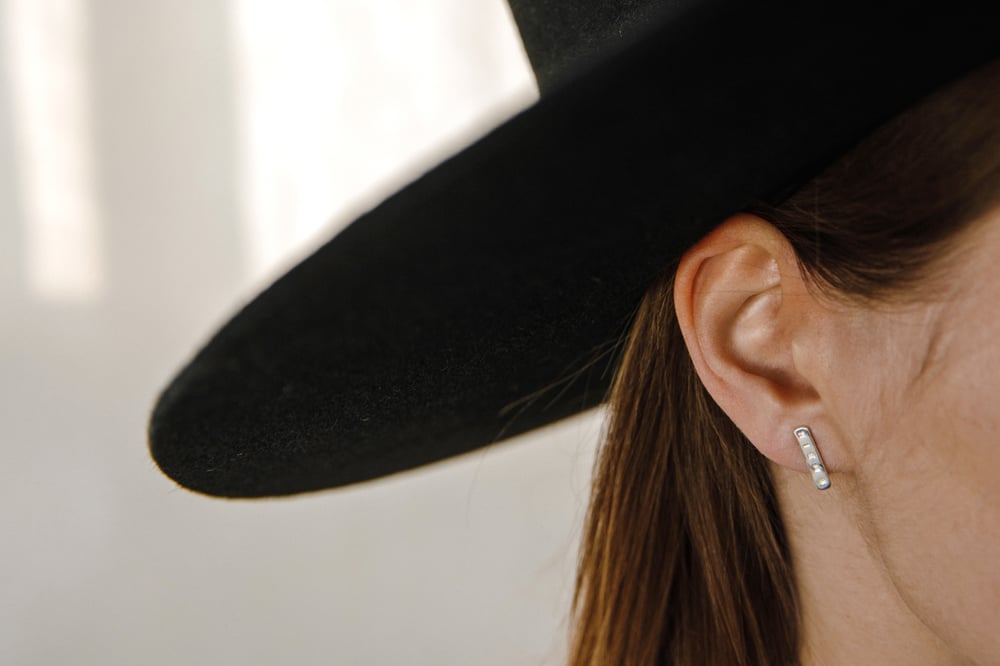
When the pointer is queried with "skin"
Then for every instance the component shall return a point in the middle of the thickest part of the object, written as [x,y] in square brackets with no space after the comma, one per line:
[899,561]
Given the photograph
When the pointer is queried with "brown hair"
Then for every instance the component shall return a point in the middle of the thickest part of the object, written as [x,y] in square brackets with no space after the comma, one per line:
[684,558]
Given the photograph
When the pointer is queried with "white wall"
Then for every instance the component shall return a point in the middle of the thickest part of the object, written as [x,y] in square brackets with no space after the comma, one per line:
[159,163]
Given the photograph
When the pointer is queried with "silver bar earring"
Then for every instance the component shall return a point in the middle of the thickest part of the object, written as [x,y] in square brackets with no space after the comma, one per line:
[813,459]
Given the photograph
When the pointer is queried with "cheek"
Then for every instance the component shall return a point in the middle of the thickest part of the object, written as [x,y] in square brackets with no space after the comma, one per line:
[934,494]
[871,366]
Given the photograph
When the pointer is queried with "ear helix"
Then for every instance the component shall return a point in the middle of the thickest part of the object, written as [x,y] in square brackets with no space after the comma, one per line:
[813,459]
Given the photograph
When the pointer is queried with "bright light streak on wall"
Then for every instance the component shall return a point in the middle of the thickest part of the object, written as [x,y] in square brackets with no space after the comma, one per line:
[50,96]
[287,79]
[343,101]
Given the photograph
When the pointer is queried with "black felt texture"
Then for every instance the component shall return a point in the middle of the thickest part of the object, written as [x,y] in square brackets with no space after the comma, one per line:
[484,299]
[564,36]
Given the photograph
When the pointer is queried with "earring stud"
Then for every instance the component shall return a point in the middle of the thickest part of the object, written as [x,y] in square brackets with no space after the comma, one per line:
[813,460]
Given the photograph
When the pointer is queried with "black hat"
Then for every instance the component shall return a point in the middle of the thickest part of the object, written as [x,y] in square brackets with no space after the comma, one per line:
[487,298]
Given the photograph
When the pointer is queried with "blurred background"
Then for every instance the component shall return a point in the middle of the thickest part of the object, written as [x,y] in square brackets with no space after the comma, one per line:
[160,162]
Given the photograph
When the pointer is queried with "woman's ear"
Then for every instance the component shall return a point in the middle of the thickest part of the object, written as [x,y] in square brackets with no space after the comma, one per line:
[748,320]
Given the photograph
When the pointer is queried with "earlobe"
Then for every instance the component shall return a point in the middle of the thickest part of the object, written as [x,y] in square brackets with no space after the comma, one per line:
[744,309]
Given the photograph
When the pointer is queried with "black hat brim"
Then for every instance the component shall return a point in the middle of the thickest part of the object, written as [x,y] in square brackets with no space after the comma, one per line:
[487,298]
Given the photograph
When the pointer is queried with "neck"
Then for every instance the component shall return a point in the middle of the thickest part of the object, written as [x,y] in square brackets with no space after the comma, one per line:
[851,611]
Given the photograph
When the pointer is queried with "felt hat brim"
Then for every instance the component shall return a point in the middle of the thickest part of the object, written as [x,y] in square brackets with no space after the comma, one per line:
[487,298]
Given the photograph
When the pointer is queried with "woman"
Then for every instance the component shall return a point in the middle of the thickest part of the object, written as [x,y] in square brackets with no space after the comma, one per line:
[866,307]
[849,325]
